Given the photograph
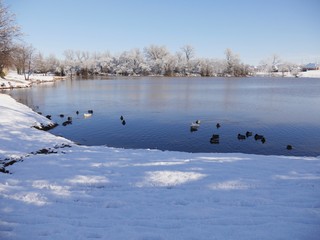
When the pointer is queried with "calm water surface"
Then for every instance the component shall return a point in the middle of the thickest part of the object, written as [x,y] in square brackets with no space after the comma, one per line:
[158,113]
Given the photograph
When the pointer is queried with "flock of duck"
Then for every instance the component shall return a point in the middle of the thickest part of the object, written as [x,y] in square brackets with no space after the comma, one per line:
[87,114]
[69,119]
[215,139]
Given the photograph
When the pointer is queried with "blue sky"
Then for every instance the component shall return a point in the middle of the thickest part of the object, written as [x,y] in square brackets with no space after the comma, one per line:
[254,29]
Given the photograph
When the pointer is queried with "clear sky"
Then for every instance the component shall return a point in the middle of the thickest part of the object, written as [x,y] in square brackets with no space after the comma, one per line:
[254,29]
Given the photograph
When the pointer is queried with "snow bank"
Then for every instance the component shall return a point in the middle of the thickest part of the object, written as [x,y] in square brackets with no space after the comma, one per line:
[307,74]
[311,74]
[13,80]
[81,192]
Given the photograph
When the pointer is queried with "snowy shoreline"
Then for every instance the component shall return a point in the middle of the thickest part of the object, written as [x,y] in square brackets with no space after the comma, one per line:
[13,80]
[80,192]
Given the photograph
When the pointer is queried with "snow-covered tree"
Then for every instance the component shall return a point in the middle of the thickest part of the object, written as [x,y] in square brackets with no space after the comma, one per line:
[70,62]
[155,56]
[40,65]
[54,65]
[232,61]
[9,31]
[270,64]
[23,59]
[84,62]
[188,51]
[234,67]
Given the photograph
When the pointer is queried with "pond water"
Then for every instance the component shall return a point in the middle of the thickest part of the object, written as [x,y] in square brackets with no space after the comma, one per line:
[158,113]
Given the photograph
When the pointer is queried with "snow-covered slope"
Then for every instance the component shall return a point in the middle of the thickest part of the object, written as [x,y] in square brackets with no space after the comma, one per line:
[80,192]
[13,80]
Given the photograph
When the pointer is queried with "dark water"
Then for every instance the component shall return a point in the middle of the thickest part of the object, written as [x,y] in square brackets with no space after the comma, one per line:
[158,113]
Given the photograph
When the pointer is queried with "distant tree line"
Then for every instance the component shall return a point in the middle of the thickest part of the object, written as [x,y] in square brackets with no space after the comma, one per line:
[152,60]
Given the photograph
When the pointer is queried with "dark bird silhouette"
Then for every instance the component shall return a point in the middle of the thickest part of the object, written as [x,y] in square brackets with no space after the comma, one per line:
[241,137]
[258,137]
[248,134]
[218,125]
[66,123]
[215,139]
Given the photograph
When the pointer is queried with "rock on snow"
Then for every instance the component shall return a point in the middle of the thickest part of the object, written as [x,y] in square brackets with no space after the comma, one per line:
[81,192]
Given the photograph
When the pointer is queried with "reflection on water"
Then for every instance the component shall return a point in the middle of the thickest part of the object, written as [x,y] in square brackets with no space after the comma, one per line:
[159,111]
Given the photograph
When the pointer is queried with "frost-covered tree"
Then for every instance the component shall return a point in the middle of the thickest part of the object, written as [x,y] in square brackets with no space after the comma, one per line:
[138,63]
[234,67]
[287,67]
[187,54]
[40,65]
[23,59]
[84,62]
[54,65]
[271,64]
[9,31]
[205,68]
[232,61]
[129,63]
[154,60]
[170,65]
[188,51]
[155,57]
[70,62]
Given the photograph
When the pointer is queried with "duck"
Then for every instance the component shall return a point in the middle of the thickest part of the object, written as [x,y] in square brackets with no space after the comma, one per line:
[289,147]
[90,111]
[121,118]
[215,139]
[86,115]
[77,112]
[241,137]
[258,137]
[215,136]
[195,125]
[218,125]
[67,123]
[123,122]
[61,115]
[248,134]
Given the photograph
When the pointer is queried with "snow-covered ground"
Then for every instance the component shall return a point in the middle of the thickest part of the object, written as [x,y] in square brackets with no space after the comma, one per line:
[307,74]
[80,192]
[13,80]
[311,74]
